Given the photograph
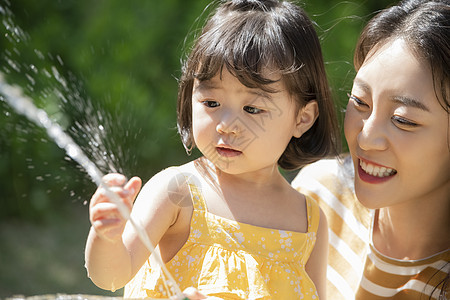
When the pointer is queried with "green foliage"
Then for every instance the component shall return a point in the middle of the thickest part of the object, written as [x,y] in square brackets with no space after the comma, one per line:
[116,96]
[119,60]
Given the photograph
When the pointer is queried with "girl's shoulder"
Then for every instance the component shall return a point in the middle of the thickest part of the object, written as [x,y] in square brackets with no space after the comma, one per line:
[170,185]
[174,176]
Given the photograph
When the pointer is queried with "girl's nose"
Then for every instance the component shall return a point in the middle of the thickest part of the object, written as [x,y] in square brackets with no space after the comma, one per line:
[373,134]
[228,124]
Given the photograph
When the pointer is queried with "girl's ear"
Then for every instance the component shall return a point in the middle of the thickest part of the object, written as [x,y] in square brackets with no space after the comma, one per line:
[306,118]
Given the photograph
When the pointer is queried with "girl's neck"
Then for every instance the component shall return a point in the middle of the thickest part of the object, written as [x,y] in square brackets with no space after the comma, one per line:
[412,231]
[262,198]
[257,179]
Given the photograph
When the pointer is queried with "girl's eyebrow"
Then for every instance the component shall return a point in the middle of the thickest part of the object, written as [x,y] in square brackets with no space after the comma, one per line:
[260,93]
[404,100]
[205,85]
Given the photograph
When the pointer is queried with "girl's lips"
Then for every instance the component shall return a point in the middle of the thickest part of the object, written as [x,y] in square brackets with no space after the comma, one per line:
[373,173]
[227,152]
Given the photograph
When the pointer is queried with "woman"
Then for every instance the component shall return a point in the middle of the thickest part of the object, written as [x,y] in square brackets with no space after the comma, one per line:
[388,203]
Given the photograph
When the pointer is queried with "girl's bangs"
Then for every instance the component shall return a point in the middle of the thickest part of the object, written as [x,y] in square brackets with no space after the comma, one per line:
[252,56]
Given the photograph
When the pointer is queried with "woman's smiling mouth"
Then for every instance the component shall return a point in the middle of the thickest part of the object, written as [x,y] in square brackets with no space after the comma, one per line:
[372,173]
[377,171]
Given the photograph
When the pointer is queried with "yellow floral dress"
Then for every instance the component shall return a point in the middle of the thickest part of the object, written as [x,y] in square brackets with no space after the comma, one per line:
[232,260]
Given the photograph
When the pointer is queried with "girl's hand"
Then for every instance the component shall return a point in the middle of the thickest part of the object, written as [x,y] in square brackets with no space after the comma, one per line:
[104,215]
[192,293]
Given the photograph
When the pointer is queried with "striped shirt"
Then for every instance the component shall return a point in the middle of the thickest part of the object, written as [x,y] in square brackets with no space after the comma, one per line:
[356,270]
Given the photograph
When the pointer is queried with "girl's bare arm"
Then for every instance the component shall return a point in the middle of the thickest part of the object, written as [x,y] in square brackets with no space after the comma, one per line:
[114,252]
[316,267]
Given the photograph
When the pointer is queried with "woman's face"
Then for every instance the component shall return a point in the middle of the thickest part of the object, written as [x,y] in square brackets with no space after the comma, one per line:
[397,132]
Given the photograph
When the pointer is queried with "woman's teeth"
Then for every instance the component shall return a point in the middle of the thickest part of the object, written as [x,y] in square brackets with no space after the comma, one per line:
[376,170]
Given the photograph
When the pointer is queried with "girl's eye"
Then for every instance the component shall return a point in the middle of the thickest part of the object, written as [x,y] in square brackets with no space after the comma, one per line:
[211,103]
[402,122]
[253,110]
[356,100]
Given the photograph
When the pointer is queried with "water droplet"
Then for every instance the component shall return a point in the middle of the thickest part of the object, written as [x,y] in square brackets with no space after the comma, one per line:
[30,79]
[39,54]
[33,68]
[47,73]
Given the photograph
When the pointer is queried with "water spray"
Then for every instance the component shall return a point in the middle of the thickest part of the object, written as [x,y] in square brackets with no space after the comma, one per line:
[25,106]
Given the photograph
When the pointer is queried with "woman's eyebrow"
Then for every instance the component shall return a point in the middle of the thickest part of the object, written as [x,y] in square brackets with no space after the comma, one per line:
[404,100]
[410,102]
[362,84]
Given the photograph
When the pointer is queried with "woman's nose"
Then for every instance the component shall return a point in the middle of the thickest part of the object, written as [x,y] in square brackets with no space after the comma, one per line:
[373,134]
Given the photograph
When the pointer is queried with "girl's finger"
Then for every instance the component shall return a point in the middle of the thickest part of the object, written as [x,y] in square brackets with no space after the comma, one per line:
[109,229]
[103,210]
[114,179]
[133,186]
[101,195]
[193,294]
[104,224]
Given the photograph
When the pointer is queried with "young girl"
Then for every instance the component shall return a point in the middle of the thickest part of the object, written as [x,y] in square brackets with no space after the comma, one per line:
[394,243]
[253,96]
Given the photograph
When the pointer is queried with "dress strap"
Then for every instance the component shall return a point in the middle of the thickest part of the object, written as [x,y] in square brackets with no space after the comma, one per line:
[197,197]
[186,180]
[313,214]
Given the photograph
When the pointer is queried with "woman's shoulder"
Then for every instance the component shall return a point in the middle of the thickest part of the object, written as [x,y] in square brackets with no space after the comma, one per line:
[330,166]
[336,169]
[327,178]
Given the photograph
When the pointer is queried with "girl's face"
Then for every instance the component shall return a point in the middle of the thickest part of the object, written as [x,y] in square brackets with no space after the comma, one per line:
[242,129]
[397,133]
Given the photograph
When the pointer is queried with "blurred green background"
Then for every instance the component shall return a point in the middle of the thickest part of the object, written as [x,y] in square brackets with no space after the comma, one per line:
[106,71]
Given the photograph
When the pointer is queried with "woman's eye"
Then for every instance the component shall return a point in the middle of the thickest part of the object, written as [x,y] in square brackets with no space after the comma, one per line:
[211,103]
[402,122]
[253,110]
[356,100]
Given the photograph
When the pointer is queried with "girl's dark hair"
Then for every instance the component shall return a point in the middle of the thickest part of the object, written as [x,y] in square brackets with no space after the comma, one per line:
[248,37]
[425,27]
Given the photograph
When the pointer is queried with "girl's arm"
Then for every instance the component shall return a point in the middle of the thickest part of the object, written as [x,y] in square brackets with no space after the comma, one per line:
[316,267]
[114,252]
[105,251]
